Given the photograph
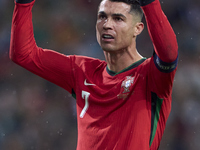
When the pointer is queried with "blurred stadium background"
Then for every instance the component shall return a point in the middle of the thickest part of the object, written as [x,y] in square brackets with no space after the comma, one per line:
[37,115]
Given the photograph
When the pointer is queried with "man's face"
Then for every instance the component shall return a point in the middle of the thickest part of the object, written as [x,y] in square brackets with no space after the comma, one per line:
[114,26]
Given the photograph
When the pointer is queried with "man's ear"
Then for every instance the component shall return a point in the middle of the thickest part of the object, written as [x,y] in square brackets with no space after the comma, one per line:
[139,26]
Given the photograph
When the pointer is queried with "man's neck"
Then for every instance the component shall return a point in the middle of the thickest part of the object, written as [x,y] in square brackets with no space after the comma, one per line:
[118,61]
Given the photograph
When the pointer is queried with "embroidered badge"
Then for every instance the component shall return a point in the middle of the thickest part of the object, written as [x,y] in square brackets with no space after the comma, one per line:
[126,84]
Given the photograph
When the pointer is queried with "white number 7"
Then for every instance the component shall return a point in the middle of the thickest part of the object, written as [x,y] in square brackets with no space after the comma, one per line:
[85,95]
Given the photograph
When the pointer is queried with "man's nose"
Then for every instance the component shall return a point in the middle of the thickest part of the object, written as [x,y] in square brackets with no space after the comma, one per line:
[108,24]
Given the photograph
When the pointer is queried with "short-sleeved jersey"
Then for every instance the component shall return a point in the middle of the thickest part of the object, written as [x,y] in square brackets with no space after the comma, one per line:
[115,111]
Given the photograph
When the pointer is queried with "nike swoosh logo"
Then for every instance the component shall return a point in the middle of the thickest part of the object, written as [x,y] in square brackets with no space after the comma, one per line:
[87,84]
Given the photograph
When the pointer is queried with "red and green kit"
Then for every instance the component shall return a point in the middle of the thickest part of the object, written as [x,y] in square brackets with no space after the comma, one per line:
[127,110]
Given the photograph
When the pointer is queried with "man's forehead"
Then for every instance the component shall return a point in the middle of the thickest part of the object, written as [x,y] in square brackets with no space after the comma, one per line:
[114,7]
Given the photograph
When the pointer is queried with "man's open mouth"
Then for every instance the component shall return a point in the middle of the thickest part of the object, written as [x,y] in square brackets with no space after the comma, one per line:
[107,36]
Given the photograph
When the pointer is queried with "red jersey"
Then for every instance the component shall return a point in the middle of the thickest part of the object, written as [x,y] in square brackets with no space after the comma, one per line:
[115,111]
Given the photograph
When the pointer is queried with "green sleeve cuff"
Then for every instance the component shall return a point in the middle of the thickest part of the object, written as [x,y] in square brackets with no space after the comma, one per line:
[23,1]
[145,2]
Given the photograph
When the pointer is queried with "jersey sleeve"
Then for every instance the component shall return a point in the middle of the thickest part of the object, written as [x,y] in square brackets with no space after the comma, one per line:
[163,63]
[161,33]
[48,64]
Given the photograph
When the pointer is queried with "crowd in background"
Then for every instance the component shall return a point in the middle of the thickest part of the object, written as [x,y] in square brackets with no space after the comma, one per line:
[38,115]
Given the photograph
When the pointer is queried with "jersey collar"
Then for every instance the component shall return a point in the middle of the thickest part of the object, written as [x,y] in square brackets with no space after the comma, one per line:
[134,65]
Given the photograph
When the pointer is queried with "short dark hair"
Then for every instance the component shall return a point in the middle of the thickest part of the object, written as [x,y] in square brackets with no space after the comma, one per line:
[135,6]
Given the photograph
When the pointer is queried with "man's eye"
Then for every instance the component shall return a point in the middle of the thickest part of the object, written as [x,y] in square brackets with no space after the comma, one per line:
[102,16]
[118,19]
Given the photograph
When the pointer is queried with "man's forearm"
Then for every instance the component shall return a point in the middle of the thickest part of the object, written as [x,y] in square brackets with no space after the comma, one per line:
[45,63]
[22,37]
[161,32]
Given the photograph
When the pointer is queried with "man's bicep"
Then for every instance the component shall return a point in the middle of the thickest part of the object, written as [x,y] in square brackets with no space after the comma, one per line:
[52,66]
[161,76]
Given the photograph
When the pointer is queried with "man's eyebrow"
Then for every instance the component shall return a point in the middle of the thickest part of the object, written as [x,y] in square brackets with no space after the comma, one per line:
[114,14]
[102,13]
[118,15]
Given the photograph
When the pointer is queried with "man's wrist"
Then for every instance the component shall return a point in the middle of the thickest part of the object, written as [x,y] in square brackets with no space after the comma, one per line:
[145,2]
[23,1]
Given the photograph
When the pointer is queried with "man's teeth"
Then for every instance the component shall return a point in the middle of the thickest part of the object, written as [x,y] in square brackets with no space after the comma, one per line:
[107,36]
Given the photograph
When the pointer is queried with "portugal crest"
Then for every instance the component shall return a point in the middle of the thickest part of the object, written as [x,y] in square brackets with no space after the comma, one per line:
[126,84]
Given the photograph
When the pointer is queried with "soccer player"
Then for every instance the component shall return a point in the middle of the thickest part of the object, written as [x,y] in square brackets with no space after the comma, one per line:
[122,103]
